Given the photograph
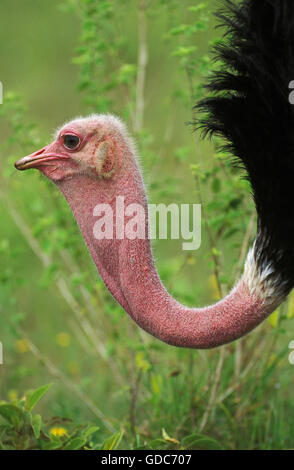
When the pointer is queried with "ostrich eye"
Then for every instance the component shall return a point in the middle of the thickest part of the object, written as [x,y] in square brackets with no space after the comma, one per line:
[71,141]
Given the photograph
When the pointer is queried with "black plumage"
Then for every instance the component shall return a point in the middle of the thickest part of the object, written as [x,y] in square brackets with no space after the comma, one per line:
[249,106]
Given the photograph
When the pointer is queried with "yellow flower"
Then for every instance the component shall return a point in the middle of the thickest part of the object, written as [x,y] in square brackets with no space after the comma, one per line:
[213,285]
[12,395]
[191,260]
[141,362]
[58,431]
[22,345]
[156,382]
[63,339]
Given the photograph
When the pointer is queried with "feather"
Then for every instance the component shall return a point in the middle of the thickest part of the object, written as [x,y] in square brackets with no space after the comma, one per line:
[248,105]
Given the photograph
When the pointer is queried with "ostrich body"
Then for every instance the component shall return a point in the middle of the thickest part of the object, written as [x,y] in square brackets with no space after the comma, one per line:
[93,160]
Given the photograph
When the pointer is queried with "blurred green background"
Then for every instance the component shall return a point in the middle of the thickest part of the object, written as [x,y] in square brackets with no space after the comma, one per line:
[58,323]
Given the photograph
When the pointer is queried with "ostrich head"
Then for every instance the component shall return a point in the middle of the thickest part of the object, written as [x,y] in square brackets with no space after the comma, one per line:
[92,146]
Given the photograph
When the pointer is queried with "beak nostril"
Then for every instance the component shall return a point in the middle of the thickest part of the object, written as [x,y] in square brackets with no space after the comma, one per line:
[39,152]
[40,157]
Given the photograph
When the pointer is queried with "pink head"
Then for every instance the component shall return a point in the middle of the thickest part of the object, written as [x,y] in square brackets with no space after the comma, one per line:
[90,146]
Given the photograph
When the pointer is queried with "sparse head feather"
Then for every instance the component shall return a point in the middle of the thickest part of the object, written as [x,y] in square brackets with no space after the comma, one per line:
[102,124]
[95,122]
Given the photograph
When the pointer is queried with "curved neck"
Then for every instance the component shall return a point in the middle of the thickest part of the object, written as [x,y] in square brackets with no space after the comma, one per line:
[128,270]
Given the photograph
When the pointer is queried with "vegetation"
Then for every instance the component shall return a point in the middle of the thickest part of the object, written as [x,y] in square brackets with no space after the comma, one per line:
[113,386]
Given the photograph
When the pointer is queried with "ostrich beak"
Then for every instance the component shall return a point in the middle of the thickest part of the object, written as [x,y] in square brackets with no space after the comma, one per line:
[34,160]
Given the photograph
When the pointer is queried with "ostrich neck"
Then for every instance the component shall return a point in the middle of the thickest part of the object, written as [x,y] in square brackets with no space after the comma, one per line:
[128,270]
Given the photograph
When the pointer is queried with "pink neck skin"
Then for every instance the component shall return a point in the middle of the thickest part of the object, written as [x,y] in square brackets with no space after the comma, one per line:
[128,270]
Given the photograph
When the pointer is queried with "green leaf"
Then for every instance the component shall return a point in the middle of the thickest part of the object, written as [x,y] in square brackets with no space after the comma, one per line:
[181,29]
[206,443]
[216,185]
[183,51]
[167,438]
[11,413]
[274,319]
[126,73]
[88,432]
[197,8]
[113,442]
[75,444]
[198,441]
[158,444]
[36,396]
[27,417]
[36,424]
[290,313]
[53,445]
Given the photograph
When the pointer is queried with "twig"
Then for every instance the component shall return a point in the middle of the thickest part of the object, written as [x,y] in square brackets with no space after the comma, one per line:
[242,375]
[213,395]
[73,267]
[216,268]
[142,64]
[134,390]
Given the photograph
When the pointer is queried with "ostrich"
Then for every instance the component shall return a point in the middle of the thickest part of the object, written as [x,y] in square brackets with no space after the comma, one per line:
[92,160]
